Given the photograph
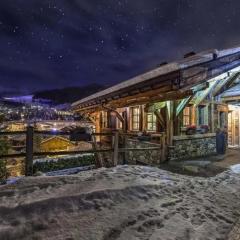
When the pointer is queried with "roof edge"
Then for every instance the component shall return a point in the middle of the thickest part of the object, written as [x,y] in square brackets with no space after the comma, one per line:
[198,58]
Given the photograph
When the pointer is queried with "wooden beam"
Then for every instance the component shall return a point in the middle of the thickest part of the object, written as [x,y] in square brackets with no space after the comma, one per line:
[185,101]
[219,86]
[170,116]
[115,148]
[88,115]
[176,119]
[225,84]
[29,151]
[201,87]
[174,95]
[204,94]
[141,120]
[192,76]
[182,105]
[127,101]
[212,116]
[133,98]
[114,111]
[94,108]
[156,106]
[160,118]
[125,123]
[209,70]
[98,156]
[234,98]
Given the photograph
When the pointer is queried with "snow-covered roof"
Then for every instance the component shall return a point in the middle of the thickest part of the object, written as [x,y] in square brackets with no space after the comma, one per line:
[195,60]
[56,138]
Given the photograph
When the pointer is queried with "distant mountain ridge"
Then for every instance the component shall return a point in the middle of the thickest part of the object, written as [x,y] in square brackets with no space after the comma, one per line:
[69,94]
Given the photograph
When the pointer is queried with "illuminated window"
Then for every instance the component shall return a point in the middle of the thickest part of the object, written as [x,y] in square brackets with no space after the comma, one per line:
[151,121]
[186,116]
[104,119]
[135,118]
[201,115]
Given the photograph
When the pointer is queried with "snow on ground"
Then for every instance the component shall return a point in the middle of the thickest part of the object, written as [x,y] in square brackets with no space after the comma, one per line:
[123,203]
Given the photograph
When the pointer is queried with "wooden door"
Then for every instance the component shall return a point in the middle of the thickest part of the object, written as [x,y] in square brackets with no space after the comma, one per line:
[230,129]
[236,128]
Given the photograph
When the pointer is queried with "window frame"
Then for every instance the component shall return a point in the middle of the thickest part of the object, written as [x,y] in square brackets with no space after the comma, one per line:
[104,119]
[187,117]
[153,122]
[135,118]
[201,115]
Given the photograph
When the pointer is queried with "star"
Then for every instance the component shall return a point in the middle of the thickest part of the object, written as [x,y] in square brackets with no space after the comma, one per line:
[68,42]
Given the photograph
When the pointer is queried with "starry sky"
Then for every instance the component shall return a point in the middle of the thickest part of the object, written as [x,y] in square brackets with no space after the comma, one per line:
[59,43]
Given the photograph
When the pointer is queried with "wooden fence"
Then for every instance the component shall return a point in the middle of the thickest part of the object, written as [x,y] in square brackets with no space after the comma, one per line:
[29,153]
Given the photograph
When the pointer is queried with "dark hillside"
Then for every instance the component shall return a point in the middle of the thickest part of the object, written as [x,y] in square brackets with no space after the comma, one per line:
[68,95]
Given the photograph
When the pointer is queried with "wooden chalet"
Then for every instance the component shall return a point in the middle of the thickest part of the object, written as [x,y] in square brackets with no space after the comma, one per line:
[56,143]
[165,102]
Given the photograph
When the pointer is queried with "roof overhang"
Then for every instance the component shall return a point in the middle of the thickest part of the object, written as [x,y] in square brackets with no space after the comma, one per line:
[173,80]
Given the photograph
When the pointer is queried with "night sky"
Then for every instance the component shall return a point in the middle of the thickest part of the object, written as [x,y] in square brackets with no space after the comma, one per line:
[53,44]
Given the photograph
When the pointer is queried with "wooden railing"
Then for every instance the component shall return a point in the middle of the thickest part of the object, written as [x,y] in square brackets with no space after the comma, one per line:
[29,154]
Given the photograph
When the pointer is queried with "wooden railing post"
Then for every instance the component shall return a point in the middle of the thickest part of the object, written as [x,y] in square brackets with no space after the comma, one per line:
[163,147]
[29,151]
[115,148]
[125,155]
[98,157]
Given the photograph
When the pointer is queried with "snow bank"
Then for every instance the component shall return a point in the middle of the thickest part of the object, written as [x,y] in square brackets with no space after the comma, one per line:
[124,203]
[235,168]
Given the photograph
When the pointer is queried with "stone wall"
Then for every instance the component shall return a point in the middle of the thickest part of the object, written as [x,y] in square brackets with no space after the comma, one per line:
[193,146]
[148,157]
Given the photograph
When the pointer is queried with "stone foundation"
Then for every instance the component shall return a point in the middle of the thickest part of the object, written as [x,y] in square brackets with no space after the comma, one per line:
[192,146]
[148,157]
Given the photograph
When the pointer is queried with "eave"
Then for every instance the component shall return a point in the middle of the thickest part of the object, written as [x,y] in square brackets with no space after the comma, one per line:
[170,79]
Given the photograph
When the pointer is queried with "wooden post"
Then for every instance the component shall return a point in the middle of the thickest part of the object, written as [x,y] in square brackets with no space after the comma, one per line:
[125,122]
[193,120]
[160,118]
[29,151]
[125,129]
[206,115]
[163,147]
[98,157]
[170,114]
[176,120]
[141,120]
[212,116]
[125,154]
[115,148]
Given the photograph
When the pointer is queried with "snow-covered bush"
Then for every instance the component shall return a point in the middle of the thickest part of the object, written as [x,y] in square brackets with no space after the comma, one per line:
[63,163]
